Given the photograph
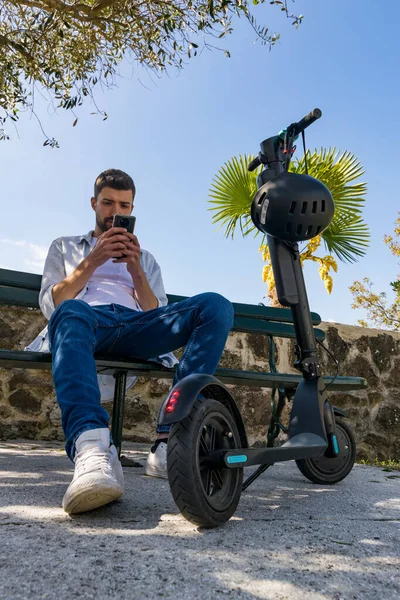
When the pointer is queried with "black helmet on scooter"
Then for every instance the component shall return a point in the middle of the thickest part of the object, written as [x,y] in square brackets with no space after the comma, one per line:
[292,207]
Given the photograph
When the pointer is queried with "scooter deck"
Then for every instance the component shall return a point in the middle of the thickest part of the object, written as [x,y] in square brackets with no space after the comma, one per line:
[303,445]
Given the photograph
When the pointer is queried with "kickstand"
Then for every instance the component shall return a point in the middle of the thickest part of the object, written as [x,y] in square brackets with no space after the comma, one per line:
[254,476]
[129,462]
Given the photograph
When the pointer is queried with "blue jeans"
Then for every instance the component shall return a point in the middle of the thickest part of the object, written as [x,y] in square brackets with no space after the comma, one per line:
[77,331]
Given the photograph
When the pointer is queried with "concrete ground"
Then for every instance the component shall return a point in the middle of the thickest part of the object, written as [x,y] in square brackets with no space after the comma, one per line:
[289,539]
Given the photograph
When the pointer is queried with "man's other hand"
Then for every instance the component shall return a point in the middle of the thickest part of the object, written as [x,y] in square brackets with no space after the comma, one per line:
[115,243]
[131,253]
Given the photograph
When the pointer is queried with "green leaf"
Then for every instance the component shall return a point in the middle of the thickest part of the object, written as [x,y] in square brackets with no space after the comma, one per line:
[66,48]
[231,193]
[342,542]
[347,236]
[336,171]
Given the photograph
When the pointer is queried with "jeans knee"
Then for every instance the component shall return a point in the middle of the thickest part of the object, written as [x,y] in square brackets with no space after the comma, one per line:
[220,307]
[71,309]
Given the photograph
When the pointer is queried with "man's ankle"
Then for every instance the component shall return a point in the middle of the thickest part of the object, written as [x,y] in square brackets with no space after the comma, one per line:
[157,442]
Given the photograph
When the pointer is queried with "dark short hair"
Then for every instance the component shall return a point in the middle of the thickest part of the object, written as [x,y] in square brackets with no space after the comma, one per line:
[114,179]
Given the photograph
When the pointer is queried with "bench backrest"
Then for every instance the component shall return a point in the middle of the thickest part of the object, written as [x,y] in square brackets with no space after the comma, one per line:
[22,289]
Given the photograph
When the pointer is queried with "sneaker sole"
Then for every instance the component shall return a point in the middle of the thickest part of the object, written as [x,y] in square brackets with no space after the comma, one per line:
[159,474]
[85,501]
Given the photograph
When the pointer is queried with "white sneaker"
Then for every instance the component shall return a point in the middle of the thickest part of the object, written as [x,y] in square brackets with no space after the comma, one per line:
[156,464]
[98,477]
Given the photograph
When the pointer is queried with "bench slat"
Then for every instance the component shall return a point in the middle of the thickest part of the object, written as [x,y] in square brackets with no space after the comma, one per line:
[29,298]
[248,319]
[20,279]
[14,284]
[284,330]
[270,313]
[37,360]
[19,297]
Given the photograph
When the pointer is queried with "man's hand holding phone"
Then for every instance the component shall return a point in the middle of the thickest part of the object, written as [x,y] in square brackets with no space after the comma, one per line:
[118,243]
[131,253]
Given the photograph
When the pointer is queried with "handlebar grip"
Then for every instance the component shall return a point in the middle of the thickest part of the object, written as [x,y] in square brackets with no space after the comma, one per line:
[256,162]
[307,120]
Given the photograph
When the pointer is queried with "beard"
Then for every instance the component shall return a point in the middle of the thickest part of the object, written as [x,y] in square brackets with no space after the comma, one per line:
[103,224]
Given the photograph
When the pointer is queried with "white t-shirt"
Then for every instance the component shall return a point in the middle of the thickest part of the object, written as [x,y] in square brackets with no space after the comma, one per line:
[110,284]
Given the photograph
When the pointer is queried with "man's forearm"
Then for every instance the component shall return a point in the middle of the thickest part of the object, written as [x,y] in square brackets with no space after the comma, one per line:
[70,287]
[143,292]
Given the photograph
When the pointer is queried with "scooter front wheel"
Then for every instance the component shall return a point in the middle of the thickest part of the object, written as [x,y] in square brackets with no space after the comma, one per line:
[329,470]
[206,494]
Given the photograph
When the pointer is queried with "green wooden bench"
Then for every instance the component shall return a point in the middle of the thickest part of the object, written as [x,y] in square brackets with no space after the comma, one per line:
[22,289]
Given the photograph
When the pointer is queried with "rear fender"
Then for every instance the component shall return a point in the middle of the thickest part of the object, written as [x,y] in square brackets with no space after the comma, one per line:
[178,404]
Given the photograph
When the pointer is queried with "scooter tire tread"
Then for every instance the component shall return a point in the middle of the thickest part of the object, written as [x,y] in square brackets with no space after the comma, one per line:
[181,474]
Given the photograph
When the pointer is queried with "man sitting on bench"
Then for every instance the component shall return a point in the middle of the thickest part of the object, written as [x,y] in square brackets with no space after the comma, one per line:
[104,294]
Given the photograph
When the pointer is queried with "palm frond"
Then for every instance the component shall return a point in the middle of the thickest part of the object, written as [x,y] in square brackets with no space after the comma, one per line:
[347,236]
[231,193]
[336,171]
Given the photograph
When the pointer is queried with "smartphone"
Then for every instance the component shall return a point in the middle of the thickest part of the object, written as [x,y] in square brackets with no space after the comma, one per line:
[127,221]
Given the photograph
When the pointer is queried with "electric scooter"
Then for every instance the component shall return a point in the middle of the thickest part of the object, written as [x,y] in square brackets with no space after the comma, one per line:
[207,445]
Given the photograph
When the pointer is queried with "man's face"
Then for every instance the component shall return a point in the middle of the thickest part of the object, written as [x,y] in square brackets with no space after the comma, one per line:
[109,203]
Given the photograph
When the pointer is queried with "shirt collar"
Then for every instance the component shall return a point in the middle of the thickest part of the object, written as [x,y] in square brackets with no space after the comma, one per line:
[87,237]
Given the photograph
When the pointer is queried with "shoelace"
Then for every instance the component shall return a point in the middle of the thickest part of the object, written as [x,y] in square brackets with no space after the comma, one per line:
[92,459]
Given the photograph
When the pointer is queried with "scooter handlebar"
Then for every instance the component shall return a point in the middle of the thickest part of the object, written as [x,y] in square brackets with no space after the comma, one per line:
[307,120]
[256,162]
[295,129]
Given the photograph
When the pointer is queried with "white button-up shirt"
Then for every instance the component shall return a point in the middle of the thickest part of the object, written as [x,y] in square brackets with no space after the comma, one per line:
[110,283]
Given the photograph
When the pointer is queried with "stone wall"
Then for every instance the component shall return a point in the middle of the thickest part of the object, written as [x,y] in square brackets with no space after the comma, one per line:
[28,406]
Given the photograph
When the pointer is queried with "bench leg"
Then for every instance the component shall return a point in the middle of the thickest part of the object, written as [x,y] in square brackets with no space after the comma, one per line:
[118,418]
[118,409]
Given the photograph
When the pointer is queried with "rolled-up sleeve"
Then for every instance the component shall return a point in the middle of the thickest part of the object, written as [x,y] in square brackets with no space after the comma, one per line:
[155,280]
[53,273]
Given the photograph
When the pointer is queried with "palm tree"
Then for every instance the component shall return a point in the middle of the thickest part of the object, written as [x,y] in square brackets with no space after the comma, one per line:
[346,238]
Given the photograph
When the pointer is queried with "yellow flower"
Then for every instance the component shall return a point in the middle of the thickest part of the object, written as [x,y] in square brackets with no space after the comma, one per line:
[326,263]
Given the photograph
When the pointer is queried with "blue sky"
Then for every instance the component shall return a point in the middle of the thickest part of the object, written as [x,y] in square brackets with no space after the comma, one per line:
[173,133]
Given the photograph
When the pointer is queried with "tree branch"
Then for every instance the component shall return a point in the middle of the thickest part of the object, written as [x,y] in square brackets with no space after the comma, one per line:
[4,41]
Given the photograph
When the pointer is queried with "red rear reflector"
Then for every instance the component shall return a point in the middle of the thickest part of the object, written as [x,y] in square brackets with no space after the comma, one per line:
[172,402]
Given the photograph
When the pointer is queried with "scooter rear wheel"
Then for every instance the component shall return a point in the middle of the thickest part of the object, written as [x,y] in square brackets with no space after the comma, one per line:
[327,470]
[207,496]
